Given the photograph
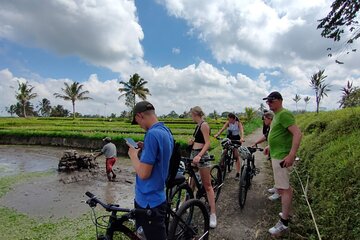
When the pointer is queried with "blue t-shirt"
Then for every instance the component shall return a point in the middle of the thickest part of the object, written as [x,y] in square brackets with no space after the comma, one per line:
[157,150]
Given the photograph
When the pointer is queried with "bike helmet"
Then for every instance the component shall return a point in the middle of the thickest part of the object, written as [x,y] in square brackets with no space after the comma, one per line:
[244,152]
[225,142]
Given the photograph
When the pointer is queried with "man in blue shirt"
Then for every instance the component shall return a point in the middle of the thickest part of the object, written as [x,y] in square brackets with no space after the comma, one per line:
[151,170]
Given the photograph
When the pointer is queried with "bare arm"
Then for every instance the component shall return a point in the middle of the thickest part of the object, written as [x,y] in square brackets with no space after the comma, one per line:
[260,140]
[297,135]
[226,125]
[143,170]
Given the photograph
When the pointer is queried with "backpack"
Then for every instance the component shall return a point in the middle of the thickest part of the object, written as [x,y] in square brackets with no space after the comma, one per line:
[174,163]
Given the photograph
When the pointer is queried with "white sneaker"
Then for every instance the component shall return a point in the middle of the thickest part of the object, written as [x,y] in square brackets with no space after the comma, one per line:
[274,197]
[272,190]
[213,221]
[278,229]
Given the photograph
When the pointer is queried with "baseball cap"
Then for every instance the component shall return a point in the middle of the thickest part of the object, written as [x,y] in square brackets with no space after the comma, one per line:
[107,139]
[140,107]
[273,96]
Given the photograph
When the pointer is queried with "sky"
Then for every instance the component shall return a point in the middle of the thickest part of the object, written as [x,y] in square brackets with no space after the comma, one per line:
[221,55]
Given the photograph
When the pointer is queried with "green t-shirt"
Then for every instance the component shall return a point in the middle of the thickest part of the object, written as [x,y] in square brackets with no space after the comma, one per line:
[280,139]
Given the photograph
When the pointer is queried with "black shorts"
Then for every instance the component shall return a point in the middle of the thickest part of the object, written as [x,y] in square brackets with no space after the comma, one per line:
[233,137]
[154,225]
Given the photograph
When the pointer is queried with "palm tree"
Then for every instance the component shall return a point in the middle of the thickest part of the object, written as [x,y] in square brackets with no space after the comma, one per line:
[317,82]
[249,113]
[347,90]
[24,95]
[44,107]
[297,99]
[134,87]
[306,100]
[11,110]
[73,93]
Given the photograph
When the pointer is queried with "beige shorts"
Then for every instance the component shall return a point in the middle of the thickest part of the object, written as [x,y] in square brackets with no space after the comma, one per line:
[281,175]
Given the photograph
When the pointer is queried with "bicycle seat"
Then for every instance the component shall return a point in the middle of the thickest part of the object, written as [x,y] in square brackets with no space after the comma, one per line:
[179,179]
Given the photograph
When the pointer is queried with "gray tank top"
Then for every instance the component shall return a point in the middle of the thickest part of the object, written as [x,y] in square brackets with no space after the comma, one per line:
[233,129]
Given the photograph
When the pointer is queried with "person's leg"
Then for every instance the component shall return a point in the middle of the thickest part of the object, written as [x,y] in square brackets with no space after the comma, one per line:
[238,163]
[206,181]
[282,184]
[153,226]
[286,201]
[108,169]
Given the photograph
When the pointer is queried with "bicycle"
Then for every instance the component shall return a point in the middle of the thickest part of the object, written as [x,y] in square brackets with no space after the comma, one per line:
[248,171]
[227,154]
[191,221]
[184,191]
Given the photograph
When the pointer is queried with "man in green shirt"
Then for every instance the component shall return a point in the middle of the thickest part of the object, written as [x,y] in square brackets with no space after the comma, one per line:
[284,140]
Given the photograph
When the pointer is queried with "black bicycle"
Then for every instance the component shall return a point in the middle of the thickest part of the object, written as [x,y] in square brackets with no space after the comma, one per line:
[190,221]
[248,171]
[192,180]
[227,155]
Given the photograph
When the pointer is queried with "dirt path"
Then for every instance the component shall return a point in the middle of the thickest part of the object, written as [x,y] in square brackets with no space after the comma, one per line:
[253,221]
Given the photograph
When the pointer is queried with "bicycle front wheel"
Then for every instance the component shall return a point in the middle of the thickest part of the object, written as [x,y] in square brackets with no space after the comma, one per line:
[243,186]
[223,163]
[181,194]
[216,180]
[190,222]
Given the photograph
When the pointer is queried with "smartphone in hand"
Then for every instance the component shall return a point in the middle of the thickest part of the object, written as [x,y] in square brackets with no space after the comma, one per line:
[282,164]
[131,142]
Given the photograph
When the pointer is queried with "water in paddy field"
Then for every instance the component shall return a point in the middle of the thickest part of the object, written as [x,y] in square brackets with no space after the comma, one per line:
[58,194]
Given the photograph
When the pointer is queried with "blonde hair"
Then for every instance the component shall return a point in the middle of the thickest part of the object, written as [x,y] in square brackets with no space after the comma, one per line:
[269,114]
[197,110]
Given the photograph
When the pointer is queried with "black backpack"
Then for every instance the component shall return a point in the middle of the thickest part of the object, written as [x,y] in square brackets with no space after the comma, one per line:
[174,163]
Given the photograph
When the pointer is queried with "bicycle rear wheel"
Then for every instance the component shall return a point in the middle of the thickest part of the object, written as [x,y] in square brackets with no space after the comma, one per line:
[216,180]
[191,222]
[243,186]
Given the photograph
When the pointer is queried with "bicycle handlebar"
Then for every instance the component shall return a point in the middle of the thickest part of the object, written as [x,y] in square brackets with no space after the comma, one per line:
[111,207]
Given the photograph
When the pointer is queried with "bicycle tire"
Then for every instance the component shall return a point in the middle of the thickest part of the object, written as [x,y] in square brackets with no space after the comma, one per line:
[113,228]
[243,186]
[190,222]
[230,165]
[216,180]
[181,194]
[223,163]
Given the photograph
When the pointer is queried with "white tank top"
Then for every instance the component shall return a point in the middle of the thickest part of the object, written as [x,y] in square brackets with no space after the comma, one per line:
[233,129]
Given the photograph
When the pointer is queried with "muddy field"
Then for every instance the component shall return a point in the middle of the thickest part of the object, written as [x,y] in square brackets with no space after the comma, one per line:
[60,194]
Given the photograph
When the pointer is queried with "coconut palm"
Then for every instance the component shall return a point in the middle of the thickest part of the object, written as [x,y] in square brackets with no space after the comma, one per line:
[73,93]
[24,95]
[317,82]
[306,100]
[44,107]
[296,100]
[346,91]
[11,110]
[134,87]
[250,113]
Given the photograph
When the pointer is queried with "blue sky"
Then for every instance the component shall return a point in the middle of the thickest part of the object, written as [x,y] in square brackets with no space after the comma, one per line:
[222,56]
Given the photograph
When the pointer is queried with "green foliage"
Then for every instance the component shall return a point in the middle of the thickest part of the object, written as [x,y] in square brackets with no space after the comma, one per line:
[250,113]
[330,158]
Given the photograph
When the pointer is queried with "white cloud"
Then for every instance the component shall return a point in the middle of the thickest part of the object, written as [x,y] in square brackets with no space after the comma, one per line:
[176,51]
[105,33]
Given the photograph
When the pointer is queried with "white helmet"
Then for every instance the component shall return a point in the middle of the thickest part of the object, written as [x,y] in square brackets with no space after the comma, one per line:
[225,142]
[244,152]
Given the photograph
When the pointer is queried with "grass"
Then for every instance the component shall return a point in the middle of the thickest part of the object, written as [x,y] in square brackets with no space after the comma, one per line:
[330,157]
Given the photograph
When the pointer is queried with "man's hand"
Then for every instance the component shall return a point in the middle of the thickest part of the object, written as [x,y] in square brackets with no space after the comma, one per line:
[140,144]
[289,160]
[133,152]
[266,150]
